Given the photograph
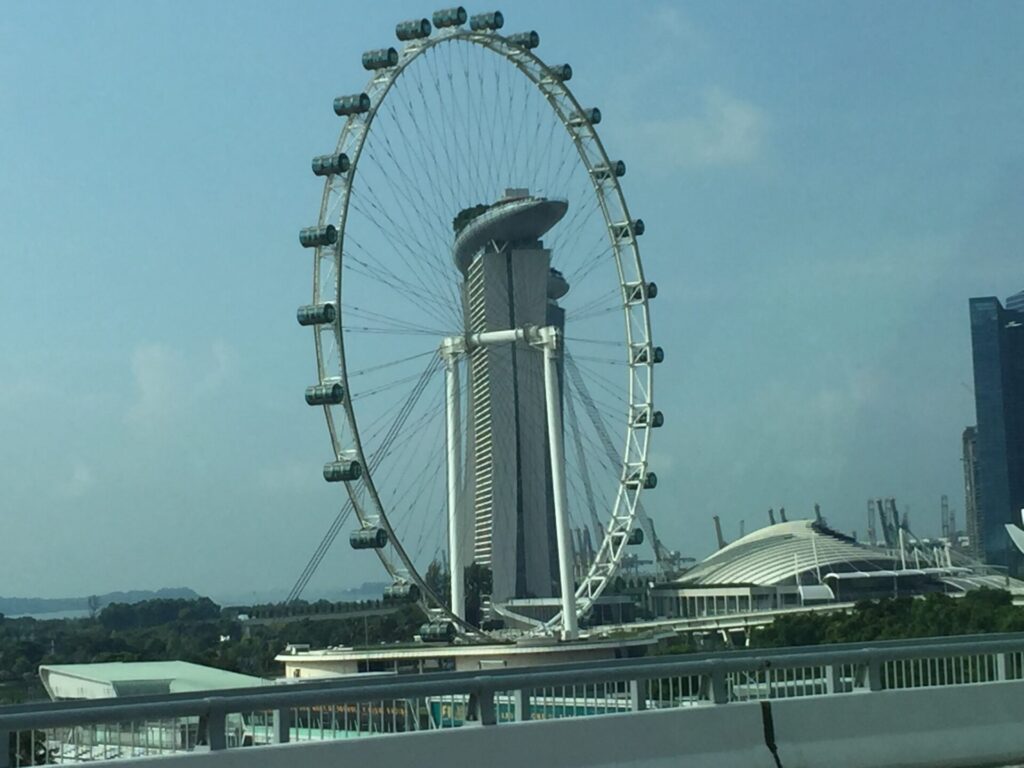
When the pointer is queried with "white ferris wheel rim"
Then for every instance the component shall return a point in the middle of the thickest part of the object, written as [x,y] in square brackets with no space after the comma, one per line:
[633,287]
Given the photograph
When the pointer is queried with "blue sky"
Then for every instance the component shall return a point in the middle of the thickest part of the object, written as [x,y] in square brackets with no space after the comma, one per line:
[824,187]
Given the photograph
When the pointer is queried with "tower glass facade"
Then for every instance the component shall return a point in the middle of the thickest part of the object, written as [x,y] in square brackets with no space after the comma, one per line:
[997,340]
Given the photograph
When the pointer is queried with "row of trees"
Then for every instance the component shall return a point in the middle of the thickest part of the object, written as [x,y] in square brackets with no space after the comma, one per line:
[188,630]
[978,612]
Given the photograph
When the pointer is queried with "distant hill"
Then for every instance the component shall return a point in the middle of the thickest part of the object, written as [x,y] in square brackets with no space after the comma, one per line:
[16,606]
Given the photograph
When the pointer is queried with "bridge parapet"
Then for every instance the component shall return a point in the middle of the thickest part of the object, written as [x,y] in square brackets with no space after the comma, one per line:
[350,709]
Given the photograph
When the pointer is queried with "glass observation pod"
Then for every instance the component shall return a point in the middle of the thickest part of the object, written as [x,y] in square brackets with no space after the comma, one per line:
[381,58]
[316,314]
[623,230]
[561,72]
[328,393]
[617,169]
[636,537]
[492,20]
[590,116]
[353,104]
[650,480]
[442,632]
[526,40]
[402,593]
[311,237]
[657,419]
[649,354]
[639,291]
[342,471]
[450,17]
[368,538]
[413,29]
[325,165]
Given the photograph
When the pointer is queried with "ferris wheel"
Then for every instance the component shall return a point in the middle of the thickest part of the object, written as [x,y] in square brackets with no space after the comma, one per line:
[484,357]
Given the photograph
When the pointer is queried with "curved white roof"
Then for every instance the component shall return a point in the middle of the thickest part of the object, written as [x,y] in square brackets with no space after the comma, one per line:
[777,553]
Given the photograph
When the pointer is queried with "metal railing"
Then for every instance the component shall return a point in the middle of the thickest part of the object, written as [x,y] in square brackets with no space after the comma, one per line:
[97,730]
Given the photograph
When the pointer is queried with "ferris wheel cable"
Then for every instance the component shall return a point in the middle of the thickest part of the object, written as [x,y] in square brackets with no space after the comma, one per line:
[602,360]
[402,249]
[406,238]
[588,489]
[414,172]
[601,342]
[432,219]
[608,385]
[425,302]
[599,312]
[581,273]
[318,554]
[380,316]
[611,299]
[382,366]
[442,195]
[391,385]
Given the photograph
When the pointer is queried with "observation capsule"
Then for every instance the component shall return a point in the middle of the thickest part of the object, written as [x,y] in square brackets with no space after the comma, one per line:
[442,632]
[616,168]
[636,537]
[590,116]
[316,314]
[561,72]
[491,20]
[413,29]
[526,40]
[351,105]
[328,393]
[311,237]
[649,481]
[636,292]
[450,17]
[401,593]
[381,58]
[325,165]
[625,229]
[656,419]
[649,354]
[368,538]
[342,471]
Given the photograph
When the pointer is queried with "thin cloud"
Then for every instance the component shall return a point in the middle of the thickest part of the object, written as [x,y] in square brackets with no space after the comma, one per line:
[726,131]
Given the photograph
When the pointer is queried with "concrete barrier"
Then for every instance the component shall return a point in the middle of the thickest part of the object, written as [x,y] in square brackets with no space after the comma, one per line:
[955,727]
[698,737]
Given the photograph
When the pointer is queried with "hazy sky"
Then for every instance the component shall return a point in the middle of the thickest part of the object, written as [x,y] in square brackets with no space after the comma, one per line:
[824,187]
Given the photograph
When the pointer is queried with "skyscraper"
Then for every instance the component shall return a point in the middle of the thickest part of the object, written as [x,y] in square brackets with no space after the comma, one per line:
[997,339]
[509,283]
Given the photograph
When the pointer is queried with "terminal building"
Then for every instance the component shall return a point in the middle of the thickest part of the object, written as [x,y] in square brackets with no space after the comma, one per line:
[804,563]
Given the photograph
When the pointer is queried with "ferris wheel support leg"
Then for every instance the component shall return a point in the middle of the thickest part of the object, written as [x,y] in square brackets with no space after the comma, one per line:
[454,448]
[551,343]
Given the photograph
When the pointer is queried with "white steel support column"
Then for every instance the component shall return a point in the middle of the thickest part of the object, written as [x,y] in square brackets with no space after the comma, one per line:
[454,448]
[552,346]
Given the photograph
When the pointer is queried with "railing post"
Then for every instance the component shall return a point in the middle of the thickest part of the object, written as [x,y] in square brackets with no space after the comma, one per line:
[216,728]
[637,695]
[282,726]
[834,679]
[487,712]
[521,701]
[874,675]
[719,687]
[7,739]
[1001,666]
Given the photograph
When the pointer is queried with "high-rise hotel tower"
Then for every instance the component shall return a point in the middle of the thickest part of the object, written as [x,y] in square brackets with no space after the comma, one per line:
[508,283]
